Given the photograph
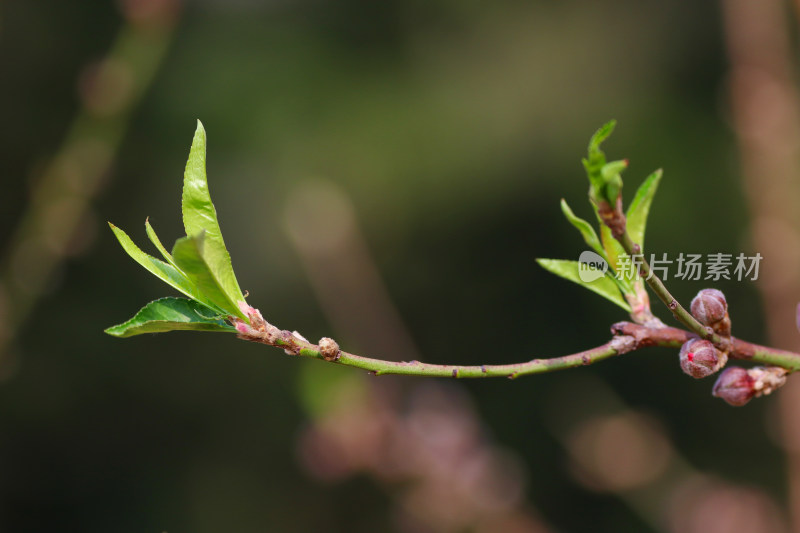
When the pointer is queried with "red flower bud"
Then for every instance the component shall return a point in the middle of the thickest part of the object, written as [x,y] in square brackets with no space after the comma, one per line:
[709,307]
[699,358]
[735,386]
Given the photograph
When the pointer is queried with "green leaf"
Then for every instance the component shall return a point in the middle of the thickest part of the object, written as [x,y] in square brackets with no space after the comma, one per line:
[200,216]
[604,178]
[605,285]
[169,274]
[586,229]
[169,314]
[596,155]
[188,255]
[596,159]
[612,177]
[151,233]
[640,207]
[615,251]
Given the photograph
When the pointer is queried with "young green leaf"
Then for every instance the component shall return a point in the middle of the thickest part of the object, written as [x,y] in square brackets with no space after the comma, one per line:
[612,177]
[640,207]
[188,255]
[170,314]
[165,272]
[151,234]
[615,253]
[596,160]
[200,216]
[604,285]
[586,229]
[604,178]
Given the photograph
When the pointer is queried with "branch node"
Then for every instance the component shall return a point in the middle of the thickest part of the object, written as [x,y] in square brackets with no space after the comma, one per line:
[623,344]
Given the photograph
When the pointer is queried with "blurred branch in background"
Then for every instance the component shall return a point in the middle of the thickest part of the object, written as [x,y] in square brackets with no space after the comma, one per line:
[619,450]
[429,450]
[766,120]
[426,444]
[339,267]
[58,221]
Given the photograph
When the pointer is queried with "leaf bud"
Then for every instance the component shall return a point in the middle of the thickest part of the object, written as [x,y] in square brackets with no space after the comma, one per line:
[329,349]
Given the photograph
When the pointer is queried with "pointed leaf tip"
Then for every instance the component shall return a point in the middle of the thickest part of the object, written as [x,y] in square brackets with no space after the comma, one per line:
[602,133]
[586,229]
[200,216]
[640,207]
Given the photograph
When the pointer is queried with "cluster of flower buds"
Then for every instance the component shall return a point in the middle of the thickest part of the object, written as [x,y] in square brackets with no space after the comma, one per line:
[737,385]
[700,358]
[710,308]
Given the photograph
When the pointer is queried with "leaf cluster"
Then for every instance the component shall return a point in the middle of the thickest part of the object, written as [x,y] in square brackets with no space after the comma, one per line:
[605,182]
[199,265]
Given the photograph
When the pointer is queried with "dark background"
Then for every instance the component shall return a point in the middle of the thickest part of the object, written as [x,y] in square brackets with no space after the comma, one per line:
[453,129]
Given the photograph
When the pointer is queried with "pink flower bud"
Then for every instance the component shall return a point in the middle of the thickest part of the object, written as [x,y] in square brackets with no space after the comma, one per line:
[709,307]
[699,358]
[735,385]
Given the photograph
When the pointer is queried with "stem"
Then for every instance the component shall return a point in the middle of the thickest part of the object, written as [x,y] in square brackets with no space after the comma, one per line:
[678,311]
[628,337]
[765,355]
[535,366]
[294,345]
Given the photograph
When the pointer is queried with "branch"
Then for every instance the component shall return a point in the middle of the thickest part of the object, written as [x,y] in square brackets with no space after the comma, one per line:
[627,337]
[678,311]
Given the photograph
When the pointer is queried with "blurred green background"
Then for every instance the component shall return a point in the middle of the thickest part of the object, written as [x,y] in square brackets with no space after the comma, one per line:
[438,138]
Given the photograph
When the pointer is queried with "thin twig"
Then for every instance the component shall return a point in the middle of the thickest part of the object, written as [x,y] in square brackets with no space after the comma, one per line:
[628,337]
[678,311]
